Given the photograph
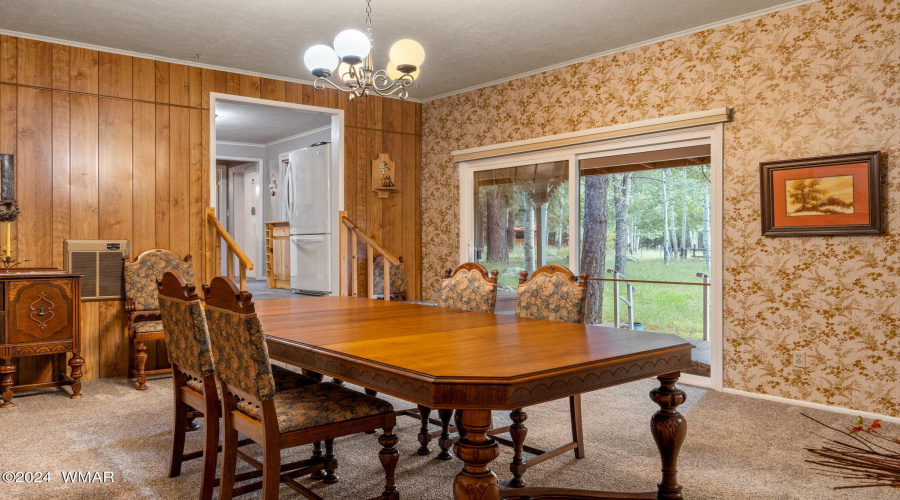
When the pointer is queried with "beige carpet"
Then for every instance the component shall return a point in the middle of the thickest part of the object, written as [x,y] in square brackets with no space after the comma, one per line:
[736,448]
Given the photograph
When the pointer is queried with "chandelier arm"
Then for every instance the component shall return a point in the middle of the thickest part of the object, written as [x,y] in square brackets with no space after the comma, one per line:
[323,83]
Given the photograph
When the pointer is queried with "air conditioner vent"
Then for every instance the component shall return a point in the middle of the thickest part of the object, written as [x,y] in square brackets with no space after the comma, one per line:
[101,263]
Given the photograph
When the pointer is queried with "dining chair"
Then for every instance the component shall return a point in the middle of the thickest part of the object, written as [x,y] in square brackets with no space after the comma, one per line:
[193,378]
[553,293]
[281,420]
[142,307]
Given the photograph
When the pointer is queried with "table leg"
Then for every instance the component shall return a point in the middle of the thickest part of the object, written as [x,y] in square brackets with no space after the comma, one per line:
[669,429]
[477,450]
[76,373]
[7,369]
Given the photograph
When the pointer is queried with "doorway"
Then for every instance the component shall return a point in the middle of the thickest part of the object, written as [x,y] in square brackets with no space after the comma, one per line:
[249,184]
[240,196]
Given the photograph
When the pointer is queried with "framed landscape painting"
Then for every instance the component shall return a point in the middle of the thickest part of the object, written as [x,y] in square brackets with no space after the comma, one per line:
[825,196]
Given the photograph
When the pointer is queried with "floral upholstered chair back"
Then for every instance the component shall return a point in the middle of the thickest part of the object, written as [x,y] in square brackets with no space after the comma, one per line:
[398,278]
[141,276]
[238,342]
[187,338]
[553,293]
[469,288]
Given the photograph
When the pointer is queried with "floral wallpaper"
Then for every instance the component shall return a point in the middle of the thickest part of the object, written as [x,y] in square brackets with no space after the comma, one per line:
[818,79]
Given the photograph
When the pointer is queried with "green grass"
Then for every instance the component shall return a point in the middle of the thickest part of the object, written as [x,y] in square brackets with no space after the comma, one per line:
[661,308]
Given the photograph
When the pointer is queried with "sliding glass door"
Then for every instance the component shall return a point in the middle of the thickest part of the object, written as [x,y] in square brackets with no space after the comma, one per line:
[640,216]
[520,221]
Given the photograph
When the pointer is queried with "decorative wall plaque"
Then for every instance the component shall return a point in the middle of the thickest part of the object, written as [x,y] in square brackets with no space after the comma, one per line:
[384,175]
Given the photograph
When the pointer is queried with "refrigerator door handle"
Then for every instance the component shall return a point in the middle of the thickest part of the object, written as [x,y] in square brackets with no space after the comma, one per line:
[308,237]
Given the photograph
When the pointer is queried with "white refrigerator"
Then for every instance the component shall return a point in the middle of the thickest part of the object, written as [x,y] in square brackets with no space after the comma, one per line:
[309,208]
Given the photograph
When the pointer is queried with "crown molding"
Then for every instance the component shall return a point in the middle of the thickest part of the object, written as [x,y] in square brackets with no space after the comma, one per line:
[624,48]
[308,132]
[195,64]
[248,144]
[278,141]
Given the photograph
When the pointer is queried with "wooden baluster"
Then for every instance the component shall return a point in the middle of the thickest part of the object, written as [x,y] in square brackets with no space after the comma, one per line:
[243,271]
[230,263]
[342,241]
[211,260]
[354,270]
[370,269]
[387,279]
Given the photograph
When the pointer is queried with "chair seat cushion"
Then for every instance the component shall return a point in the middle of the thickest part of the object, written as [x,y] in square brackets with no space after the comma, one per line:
[148,326]
[322,404]
[285,380]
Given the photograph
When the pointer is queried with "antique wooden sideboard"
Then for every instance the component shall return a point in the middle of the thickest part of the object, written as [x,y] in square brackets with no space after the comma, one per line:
[39,315]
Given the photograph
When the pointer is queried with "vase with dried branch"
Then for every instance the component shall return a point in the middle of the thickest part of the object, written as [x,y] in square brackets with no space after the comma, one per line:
[863,455]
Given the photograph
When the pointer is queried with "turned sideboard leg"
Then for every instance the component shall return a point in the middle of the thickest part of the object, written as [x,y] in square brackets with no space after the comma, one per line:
[476,450]
[518,431]
[76,372]
[7,369]
[669,429]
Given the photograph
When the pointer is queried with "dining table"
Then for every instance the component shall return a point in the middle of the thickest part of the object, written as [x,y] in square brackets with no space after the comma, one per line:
[476,363]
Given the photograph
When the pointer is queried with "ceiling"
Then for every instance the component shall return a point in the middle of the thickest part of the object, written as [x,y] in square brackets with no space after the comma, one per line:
[261,124]
[468,43]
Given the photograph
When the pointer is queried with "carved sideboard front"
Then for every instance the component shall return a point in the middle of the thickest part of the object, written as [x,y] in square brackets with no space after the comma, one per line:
[39,314]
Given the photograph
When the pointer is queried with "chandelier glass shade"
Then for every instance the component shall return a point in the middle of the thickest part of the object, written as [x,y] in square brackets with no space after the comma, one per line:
[351,58]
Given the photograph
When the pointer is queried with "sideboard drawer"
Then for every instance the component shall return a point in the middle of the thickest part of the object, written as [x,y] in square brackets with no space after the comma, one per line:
[40,310]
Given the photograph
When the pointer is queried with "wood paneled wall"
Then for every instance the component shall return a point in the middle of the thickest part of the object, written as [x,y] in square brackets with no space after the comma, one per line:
[116,147]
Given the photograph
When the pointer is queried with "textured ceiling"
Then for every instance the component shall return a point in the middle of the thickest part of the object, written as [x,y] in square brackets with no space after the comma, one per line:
[467,42]
[261,124]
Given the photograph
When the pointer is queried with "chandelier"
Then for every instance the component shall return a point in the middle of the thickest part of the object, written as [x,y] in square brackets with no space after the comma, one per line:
[352,58]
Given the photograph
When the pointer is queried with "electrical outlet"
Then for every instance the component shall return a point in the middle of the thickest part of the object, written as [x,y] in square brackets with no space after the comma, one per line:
[798,359]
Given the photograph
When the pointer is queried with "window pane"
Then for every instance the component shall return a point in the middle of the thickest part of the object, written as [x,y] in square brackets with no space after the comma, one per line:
[648,222]
[521,220]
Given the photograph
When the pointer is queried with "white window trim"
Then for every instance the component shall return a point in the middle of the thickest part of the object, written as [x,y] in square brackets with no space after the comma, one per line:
[712,134]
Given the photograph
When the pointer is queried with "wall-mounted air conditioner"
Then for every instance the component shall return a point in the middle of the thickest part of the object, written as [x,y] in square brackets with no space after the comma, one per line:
[101,263]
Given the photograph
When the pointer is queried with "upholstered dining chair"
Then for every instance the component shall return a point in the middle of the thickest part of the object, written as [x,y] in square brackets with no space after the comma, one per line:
[193,379]
[142,306]
[281,420]
[555,294]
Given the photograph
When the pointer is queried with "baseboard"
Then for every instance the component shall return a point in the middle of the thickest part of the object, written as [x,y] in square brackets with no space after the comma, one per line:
[816,406]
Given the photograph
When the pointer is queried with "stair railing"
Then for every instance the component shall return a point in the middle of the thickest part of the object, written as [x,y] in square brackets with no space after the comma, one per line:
[216,234]
[351,234]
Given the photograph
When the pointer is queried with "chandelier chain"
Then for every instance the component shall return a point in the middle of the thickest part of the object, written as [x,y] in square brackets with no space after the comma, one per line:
[369,20]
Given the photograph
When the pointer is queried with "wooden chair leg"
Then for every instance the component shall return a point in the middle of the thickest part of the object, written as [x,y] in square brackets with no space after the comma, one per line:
[577,430]
[330,476]
[424,435]
[210,457]
[373,393]
[317,455]
[457,419]
[444,441]
[179,430]
[389,457]
[518,431]
[271,472]
[140,361]
[229,459]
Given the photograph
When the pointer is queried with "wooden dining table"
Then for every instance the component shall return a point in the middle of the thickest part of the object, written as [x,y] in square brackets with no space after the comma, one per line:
[475,363]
